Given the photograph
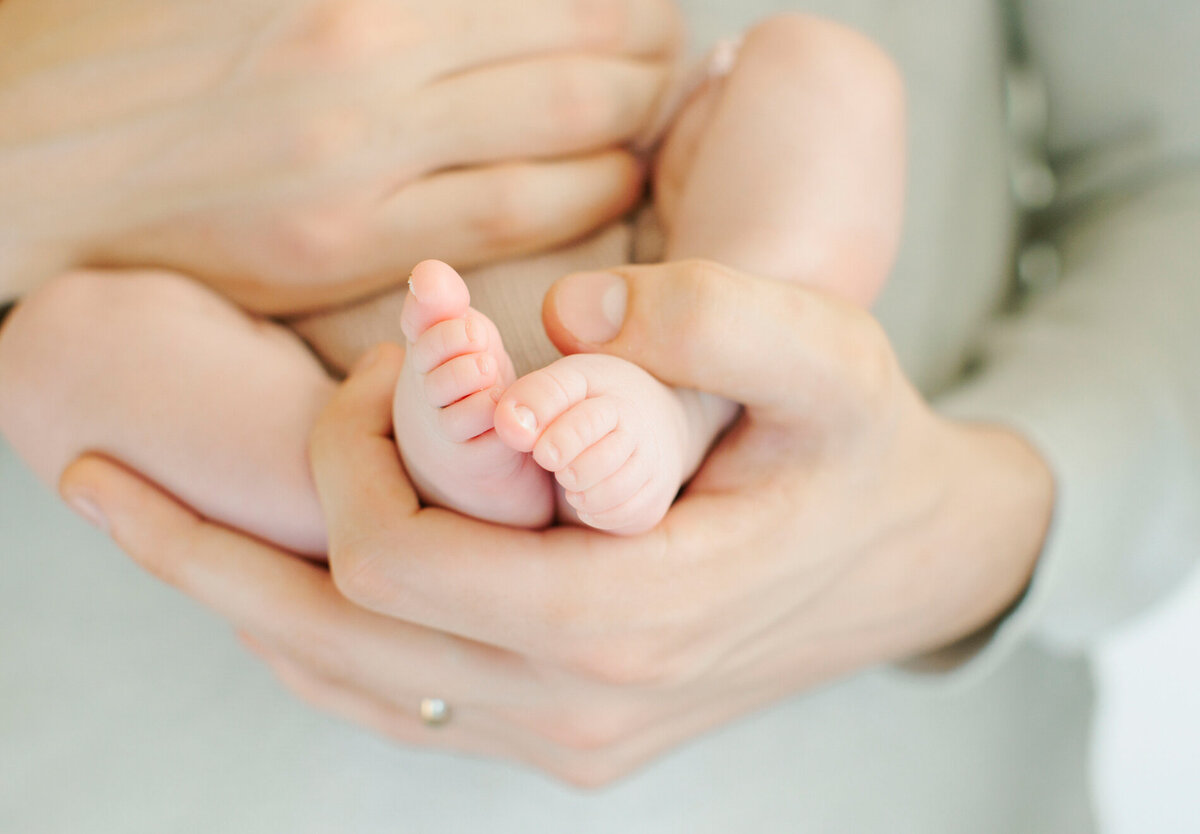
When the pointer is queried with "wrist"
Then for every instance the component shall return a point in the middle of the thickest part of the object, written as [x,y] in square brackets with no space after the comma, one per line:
[1000,496]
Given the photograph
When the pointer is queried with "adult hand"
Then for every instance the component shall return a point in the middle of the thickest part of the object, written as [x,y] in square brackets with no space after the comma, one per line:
[840,524]
[298,153]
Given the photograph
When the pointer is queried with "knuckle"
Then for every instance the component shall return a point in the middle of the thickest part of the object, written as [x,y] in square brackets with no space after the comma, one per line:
[314,245]
[318,650]
[353,567]
[701,296]
[588,729]
[335,34]
[328,137]
[872,363]
[620,663]
[168,557]
[582,103]
[507,218]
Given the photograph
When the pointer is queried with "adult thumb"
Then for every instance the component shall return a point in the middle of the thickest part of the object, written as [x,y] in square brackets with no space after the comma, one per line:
[697,324]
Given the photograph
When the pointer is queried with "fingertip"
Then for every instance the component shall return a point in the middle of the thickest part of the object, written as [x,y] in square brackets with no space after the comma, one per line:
[86,487]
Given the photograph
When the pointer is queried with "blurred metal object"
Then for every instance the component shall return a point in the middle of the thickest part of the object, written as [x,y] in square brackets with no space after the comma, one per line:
[1032,179]
[1039,267]
[435,712]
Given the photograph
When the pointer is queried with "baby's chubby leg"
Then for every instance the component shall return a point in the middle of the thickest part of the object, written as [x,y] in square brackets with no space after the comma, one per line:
[792,166]
[161,374]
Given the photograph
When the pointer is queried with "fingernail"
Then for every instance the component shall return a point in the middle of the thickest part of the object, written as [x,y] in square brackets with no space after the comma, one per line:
[591,305]
[88,510]
[525,417]
[367,359]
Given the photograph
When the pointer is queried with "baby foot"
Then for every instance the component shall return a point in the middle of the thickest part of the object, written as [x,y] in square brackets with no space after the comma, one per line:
[455,371]
[614,437]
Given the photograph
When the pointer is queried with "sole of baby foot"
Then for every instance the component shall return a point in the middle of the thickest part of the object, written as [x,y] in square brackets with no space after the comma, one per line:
[455,372]
[613,436]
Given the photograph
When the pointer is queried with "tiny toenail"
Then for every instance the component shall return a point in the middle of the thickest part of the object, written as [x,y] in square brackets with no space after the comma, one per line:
[469,328]
[568,478]
[525,417]
[551,454]
[484,363]
[411,290]
[496,394]
[575,499]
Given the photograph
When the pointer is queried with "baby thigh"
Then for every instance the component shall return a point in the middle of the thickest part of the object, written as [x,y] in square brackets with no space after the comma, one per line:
[159,373]
[793,165]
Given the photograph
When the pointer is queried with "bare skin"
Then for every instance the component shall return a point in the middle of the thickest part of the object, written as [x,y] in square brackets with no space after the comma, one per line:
[720,166]
[618,443]
[840,524]
[296,154]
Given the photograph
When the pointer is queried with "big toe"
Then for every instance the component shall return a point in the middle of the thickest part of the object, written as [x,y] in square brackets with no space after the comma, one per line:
[435,293]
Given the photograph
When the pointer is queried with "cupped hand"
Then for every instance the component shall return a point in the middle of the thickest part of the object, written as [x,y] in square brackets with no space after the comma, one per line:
[298,153]
[840,524]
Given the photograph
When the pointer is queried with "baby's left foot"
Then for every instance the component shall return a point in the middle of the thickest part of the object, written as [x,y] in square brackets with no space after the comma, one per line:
[614,437]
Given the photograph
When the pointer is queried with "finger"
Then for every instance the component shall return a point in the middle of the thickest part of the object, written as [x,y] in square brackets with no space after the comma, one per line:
[288,604]
[503,30]
[467,730]
[474,216]
[355,463]
[220,568]
[773,346]
[537,109]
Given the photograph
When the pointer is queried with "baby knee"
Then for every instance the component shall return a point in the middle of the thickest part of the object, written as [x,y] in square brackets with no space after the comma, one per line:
[63,317]
[60,337]
[794,45]
[39,326]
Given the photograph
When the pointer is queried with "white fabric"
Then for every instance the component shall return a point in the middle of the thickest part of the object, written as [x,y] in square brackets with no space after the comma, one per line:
[125,708]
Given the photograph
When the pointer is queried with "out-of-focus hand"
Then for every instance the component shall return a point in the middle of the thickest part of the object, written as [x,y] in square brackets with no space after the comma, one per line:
[840,524]
[298,153]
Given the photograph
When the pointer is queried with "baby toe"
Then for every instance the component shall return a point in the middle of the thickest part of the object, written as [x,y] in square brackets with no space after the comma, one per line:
[598,462]
[448,340]
[618,489]
[576,431]
[535,401]
[436,293]
[470,417]
[460,377]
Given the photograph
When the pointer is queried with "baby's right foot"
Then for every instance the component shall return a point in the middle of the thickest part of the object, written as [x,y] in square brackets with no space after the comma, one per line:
[455,371]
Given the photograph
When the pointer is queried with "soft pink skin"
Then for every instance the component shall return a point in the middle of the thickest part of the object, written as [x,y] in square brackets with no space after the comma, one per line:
[612,436]
[792,168]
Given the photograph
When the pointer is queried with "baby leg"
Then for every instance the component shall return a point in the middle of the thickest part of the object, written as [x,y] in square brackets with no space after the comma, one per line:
[161,374]
[793,165]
